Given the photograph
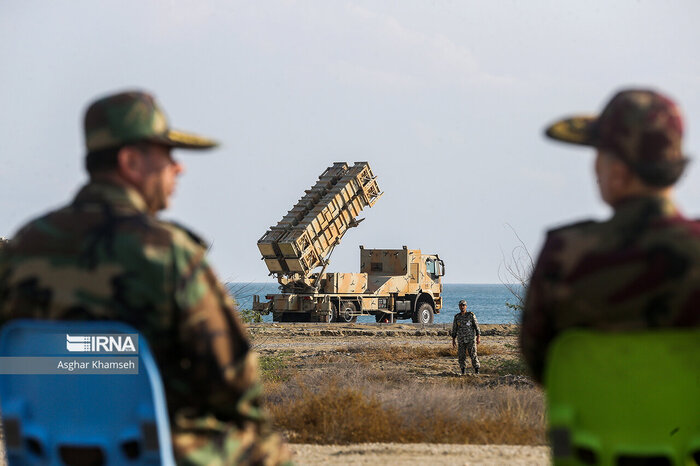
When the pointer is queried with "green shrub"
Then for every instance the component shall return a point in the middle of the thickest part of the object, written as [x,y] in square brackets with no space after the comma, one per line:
[250,316]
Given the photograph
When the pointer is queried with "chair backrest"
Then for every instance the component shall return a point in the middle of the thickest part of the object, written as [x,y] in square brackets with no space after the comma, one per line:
[624,398]
[79,418]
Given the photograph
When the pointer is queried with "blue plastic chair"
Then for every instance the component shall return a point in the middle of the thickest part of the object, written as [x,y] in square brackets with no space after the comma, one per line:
[624,398]
[99,419]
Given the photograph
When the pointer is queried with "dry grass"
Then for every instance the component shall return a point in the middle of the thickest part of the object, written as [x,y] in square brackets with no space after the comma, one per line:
[396,353]
[341,414]
[343,396]
[372,354]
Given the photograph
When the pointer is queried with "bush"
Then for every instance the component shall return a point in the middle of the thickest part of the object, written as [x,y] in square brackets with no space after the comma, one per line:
[250,316]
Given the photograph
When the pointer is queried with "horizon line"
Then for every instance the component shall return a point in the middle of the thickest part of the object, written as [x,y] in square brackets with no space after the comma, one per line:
[448,283]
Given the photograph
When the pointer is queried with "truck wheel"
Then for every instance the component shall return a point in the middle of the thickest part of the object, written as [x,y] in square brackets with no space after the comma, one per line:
[424,314]
[346,313]
[385,317]
[333,316]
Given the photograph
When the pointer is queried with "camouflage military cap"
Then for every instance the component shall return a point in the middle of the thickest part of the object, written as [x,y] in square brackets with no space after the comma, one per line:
[637,126]
[130,117]
[462,302]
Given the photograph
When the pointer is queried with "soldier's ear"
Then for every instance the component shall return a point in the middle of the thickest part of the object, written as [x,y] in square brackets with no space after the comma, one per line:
[130,164]
[619,178]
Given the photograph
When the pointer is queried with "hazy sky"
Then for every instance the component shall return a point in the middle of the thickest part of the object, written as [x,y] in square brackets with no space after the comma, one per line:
[446,100]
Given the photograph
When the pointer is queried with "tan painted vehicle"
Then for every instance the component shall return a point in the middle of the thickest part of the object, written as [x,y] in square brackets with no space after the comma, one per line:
[392,283]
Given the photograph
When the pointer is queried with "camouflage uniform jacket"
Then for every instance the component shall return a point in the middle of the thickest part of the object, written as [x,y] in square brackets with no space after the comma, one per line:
[465,328]
[638,270]
[104,257]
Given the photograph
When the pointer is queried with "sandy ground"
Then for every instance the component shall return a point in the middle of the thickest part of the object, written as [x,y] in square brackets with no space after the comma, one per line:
[410,454]
[419,454]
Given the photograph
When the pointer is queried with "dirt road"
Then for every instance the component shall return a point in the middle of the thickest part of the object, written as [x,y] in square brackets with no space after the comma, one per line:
[415,454]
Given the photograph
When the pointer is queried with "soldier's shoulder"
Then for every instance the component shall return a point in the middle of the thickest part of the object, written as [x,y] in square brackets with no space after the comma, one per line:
[41,226]
[182,235]
[580,226]
[573,235]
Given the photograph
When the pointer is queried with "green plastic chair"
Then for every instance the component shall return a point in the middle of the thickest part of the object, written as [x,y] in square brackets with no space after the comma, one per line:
[624,398]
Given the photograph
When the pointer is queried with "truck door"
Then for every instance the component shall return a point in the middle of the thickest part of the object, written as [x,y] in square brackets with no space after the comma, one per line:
[430,267]
[435,268]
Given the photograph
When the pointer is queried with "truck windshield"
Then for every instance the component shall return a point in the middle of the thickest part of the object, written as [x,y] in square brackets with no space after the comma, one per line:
[430,266]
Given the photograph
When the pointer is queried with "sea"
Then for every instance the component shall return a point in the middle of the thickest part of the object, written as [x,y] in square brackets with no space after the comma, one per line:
[487,301]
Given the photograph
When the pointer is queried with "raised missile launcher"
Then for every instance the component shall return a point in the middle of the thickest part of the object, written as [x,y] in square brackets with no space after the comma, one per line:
[392,283]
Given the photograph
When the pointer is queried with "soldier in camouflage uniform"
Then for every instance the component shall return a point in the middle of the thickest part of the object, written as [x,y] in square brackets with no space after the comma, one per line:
[641,268]
[465,331]
[106,255]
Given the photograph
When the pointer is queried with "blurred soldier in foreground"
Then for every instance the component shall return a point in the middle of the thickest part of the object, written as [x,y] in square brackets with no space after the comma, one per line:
[465,330]
[106,256]
[641,268]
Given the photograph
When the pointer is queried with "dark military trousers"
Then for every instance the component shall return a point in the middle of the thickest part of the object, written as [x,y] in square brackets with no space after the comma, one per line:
[467,347]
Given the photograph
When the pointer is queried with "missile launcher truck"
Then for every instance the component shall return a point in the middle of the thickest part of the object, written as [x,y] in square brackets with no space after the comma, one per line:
[392,283]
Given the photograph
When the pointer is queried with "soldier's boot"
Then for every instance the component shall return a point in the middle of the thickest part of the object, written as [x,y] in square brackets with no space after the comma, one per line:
[476,370]
[464,370]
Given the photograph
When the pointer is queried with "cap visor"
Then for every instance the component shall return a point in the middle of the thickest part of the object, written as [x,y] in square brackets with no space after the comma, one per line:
[575,130]
[175,138]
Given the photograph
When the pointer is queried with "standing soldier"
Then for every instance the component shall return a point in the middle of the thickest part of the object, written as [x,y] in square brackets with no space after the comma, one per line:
[107,256]
[465,330]
[641,268]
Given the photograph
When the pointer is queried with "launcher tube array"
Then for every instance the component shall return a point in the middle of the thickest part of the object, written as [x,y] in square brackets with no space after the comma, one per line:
[304,237]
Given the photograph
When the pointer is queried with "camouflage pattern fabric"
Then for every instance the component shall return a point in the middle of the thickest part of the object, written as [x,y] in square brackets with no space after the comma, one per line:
[637,125]
[467,347]
[131,117]
[638,270]
[465,328]
[103,257]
